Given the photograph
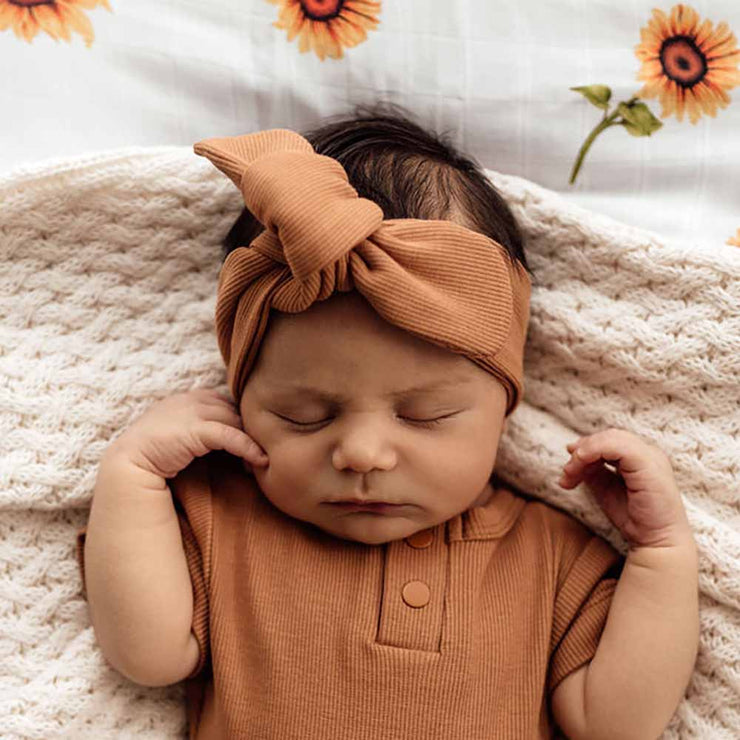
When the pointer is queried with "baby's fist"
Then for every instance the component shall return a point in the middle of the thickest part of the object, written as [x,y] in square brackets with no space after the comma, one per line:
[633,482]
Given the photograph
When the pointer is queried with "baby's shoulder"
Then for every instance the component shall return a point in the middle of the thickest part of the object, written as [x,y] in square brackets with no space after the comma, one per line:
[571,542]
[546,519]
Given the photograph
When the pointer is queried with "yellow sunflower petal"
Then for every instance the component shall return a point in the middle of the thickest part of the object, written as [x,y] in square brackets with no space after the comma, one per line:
[348,33]
[337,52]
[26,26]
[49,20]
[692,106]
[727,78]
[660,23]
[91,4]
[719,93]
[294,20]
[360,14]
[305,35]
[684,19]
[651,70]
[708,98]
[76,20]
[13,18]
[721,39]
[325,40]
[363,6]
[703,35]
[331,42]
[671,100]
[7,15]
[651,40]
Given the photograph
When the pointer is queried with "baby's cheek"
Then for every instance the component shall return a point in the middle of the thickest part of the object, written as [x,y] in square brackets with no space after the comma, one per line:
[290,465]
[464,468]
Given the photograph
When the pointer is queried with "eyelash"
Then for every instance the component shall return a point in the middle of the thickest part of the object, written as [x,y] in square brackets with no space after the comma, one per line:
[425,423]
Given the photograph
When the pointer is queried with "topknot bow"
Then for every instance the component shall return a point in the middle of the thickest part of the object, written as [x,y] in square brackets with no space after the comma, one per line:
[436,279]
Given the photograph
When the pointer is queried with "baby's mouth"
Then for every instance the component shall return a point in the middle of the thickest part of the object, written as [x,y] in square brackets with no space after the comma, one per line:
[376,507]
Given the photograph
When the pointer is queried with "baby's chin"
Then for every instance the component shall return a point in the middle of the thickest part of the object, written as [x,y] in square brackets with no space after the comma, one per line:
[377,531]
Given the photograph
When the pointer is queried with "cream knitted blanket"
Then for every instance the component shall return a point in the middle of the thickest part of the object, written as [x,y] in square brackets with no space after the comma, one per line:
[107,291]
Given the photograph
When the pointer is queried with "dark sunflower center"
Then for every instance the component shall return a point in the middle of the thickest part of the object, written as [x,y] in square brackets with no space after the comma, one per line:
[322,10]
[31,3]
[683,61]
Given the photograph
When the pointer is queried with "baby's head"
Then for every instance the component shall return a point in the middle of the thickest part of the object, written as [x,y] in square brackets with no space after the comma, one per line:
[349,406]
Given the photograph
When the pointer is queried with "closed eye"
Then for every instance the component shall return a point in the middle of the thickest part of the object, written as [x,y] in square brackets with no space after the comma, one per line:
[425,423]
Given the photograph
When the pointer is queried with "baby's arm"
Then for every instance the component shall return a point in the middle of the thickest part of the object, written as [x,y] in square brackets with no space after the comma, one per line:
[646,654]
[648,647]
[138,587]
[136,572]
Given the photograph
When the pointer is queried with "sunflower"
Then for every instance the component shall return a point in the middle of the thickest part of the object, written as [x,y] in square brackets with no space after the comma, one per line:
[327,26]
[734,241]
[687,64]
[56,17]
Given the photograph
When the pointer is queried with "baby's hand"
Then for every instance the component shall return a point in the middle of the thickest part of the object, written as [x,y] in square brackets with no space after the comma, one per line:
[165,439]
[640,497]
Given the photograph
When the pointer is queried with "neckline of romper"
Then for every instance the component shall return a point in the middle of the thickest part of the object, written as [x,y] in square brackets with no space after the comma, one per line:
[490,521]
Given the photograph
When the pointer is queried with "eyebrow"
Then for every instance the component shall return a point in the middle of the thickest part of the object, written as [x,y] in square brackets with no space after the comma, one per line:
[448,383]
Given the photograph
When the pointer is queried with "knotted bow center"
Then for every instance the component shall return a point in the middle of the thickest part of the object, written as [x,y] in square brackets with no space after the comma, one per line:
[280,188]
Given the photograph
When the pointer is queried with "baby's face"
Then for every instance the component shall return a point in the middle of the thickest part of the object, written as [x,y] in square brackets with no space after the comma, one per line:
[374,440]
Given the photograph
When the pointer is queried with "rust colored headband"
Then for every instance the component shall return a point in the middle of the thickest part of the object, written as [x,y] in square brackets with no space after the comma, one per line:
[436,279]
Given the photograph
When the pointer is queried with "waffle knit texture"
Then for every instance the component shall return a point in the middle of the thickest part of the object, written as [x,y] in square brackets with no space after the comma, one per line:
[434,279]
[319,631]
[107,297]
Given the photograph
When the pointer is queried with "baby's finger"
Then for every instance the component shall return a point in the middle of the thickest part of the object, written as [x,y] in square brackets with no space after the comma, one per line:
[213,399]
[226,414]
[640,465]
[575,472]
[210,393]
[618,448]
[219,436]
[222,413]
[253,452]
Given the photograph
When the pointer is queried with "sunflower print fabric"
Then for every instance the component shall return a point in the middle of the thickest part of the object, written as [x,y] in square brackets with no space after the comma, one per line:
[327,26]
[687,64]
[59,18]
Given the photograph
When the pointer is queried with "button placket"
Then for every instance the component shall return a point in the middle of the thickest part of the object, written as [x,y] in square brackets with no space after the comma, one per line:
[414,589]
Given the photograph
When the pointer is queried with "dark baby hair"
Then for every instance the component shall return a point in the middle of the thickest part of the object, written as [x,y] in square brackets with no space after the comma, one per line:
[409,172]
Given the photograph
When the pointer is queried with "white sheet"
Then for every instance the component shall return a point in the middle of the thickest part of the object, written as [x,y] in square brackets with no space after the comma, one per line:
[496,74]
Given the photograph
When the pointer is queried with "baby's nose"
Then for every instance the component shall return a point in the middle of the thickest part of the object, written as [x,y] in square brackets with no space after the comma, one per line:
[363,448]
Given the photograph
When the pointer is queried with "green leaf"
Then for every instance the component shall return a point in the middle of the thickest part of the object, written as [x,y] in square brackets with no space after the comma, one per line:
[599,95]
[638,119]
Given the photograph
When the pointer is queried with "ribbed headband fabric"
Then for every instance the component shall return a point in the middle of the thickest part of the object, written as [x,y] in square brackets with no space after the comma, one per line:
[435,279]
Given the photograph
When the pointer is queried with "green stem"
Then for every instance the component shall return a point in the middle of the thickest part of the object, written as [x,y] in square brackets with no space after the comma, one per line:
[604,124]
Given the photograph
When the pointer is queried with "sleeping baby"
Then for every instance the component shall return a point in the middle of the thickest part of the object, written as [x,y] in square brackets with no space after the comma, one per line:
[327,553]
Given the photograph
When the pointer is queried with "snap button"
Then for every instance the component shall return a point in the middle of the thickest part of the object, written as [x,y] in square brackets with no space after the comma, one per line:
[421,539]
[416,594]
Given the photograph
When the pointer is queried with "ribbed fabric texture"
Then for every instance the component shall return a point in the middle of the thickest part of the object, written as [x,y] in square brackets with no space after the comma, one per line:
[304,635]
[435,279]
